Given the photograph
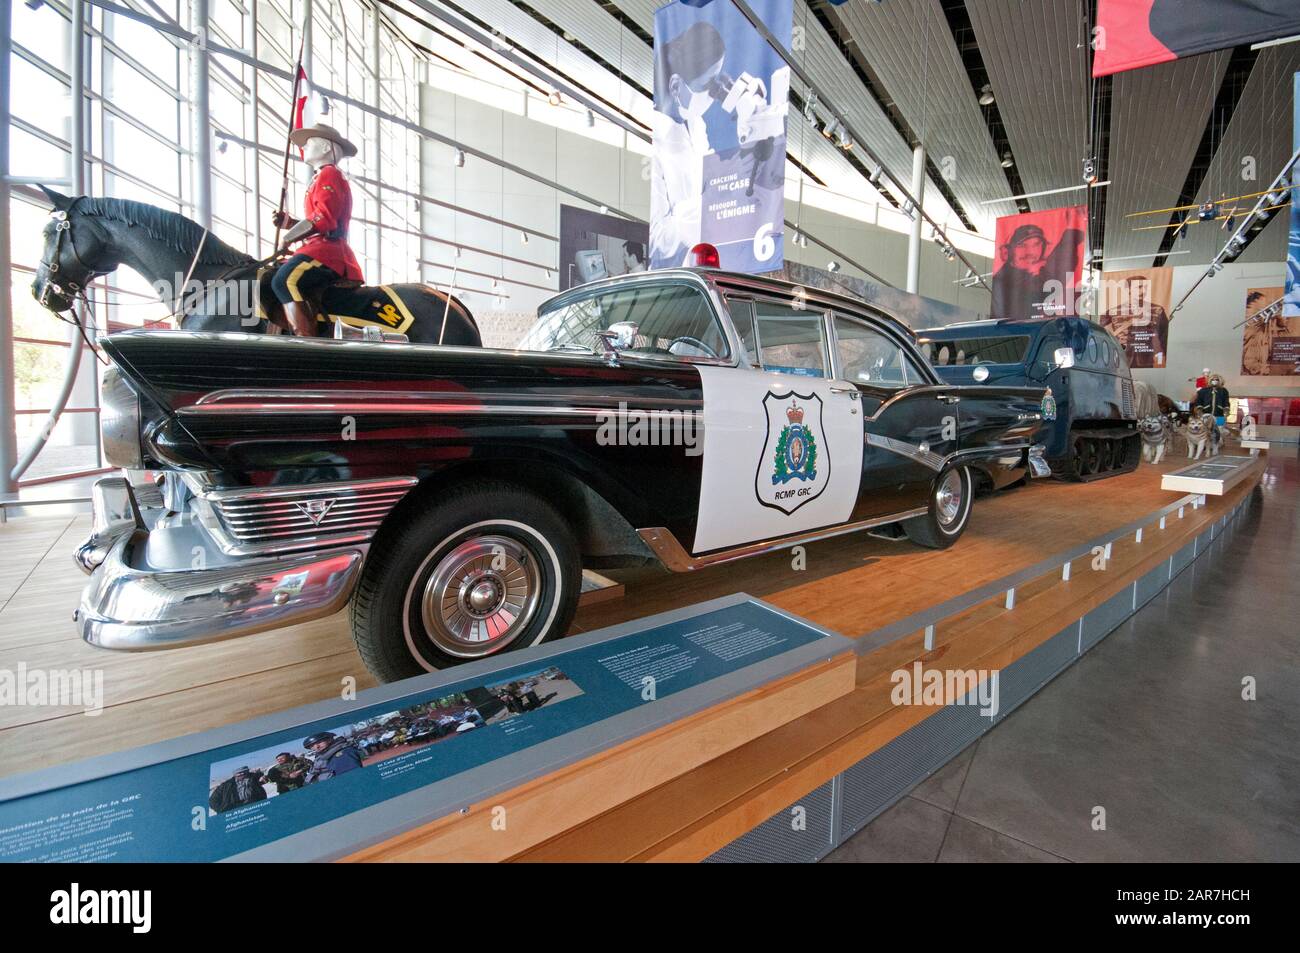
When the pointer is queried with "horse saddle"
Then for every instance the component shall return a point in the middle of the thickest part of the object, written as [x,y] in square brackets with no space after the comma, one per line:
[347,301]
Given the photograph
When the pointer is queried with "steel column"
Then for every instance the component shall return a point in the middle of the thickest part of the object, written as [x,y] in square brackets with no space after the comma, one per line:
[375,157]
[8,430]
[255,90]
[77,178]
[200,116]
[914,234]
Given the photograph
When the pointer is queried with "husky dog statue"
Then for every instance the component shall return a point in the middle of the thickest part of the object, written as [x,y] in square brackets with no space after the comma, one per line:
[1203,436]
[1156,431]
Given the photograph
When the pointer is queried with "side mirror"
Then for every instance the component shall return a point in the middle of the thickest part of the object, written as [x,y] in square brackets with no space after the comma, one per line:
[623,334]
[619,336]
[1064,357]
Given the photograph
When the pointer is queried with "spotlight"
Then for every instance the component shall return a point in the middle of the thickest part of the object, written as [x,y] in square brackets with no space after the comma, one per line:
[843,139]
[35,4]
[831,128]
[1215,267]
[949,252]
[604,210]
[833,266]
[1236,246]
[1089,170]
[460,159]
[523,238]
[986,95]
[874,178]
[591,119]
[324,106]
[222,146]
[554,98]
[809,110]
[1206,212]
[1276,198]
[1007,160]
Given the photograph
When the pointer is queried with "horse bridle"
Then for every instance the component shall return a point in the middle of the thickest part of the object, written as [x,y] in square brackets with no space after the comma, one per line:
[51,265]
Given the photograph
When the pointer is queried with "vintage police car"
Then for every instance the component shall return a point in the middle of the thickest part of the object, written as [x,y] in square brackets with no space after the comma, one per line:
[452,496]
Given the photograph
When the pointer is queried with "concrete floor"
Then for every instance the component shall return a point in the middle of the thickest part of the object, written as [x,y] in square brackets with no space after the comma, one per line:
[1150,726]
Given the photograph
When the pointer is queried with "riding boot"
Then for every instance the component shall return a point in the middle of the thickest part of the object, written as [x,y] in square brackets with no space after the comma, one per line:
[301,318]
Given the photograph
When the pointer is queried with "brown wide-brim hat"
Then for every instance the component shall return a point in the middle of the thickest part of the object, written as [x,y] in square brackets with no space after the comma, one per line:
[299,138]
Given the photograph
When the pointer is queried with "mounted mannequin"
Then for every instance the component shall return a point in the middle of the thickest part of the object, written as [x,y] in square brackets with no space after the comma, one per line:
[1213,399]
[324,257]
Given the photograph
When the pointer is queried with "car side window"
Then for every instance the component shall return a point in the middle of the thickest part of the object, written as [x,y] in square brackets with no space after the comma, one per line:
[672,322]
[791,341]
[869,357]
[742,319]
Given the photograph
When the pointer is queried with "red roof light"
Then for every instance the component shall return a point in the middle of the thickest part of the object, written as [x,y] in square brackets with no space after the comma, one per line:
[703,255]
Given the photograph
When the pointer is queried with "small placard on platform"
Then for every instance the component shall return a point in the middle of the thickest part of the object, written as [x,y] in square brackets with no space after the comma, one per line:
[1212,477]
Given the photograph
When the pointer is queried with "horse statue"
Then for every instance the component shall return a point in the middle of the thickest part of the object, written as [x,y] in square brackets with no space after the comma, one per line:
[211,286]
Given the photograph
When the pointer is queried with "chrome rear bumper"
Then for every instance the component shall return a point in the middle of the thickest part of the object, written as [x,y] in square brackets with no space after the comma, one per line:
[136,600]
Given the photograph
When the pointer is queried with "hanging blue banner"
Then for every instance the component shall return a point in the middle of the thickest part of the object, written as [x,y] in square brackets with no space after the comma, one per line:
[718,166]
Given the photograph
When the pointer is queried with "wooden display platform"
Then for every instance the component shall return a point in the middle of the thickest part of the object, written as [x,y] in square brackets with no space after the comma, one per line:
[498,829]
[700,813]
[696,801]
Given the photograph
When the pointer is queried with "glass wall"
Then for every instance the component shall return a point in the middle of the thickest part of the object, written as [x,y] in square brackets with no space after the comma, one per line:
[139,144]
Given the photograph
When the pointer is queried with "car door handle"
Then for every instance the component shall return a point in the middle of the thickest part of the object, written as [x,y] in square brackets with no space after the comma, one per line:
[947,398]
[850,390]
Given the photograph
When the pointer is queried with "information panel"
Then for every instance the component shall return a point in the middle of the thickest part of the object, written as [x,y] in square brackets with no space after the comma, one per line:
[331,778]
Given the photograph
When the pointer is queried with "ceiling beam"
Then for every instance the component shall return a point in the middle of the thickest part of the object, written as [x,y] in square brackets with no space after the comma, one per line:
[1231,88]
[968,47]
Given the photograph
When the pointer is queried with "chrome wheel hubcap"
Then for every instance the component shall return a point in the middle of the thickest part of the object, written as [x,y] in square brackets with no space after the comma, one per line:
[481,596]
[947,498]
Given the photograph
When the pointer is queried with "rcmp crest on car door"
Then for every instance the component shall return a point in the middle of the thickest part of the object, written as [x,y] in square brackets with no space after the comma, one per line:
[794,467]
[769,442]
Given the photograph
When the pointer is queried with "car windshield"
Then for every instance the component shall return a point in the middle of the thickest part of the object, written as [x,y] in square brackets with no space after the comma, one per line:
[1008,349]
[667,321]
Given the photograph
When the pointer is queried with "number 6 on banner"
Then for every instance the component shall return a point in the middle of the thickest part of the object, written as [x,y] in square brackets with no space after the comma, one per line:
[764,243]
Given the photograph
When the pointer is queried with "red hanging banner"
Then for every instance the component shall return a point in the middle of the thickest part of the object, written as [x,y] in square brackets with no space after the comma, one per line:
[1134,33]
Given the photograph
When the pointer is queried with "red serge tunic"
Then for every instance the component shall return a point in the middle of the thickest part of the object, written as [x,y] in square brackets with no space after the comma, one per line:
[329,206]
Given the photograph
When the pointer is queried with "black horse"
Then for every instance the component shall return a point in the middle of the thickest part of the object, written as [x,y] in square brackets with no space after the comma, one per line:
[211,286]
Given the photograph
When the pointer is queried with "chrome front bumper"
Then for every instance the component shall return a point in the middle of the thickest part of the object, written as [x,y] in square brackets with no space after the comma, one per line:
[156,585]
[1038,465]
